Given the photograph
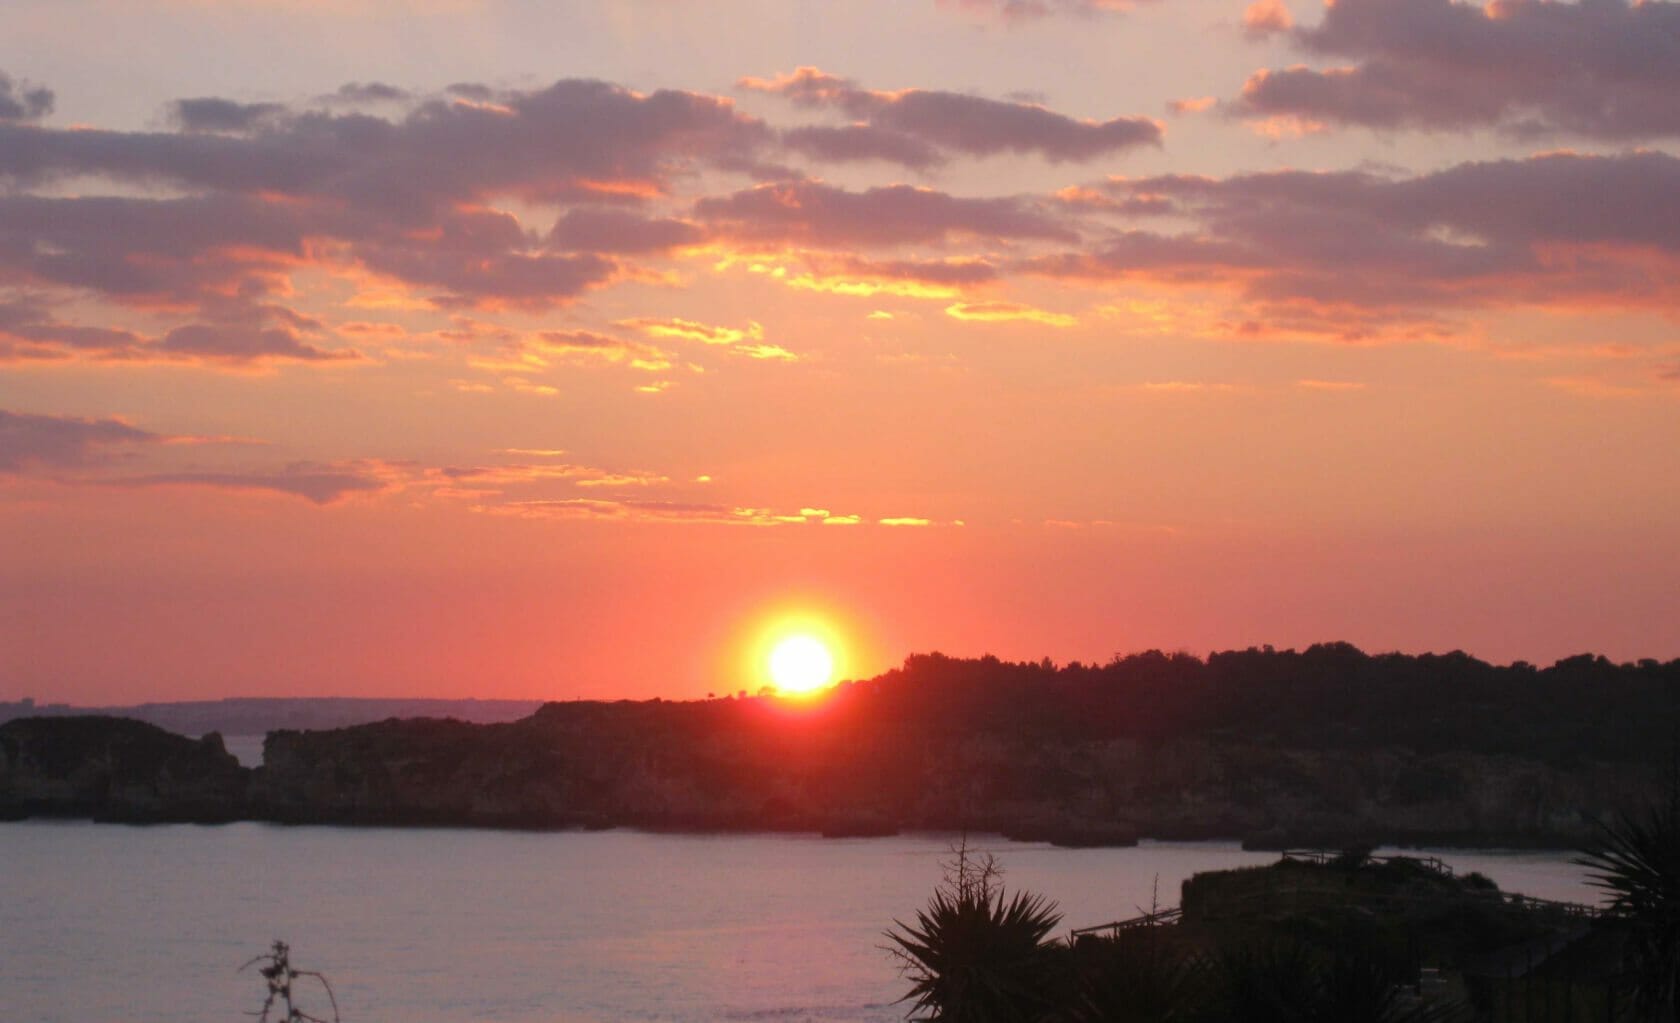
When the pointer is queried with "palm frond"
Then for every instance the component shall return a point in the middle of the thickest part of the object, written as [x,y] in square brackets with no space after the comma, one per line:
[1636,861]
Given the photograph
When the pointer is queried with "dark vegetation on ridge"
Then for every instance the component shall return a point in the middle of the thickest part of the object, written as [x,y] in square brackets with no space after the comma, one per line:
[1330,696]
[1327,745]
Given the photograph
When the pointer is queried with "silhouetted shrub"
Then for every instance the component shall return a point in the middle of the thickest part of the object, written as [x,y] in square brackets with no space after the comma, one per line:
[1637,861]
[277,972]
[978,955]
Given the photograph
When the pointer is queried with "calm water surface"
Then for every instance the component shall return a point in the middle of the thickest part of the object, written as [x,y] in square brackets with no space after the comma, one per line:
[138,924]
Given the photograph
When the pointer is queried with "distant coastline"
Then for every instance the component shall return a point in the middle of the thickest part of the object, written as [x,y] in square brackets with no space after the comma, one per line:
[259,715]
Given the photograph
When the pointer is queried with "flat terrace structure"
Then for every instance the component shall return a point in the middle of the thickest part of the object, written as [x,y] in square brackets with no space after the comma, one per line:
[1411,891]
[1456,941]
[1304,881]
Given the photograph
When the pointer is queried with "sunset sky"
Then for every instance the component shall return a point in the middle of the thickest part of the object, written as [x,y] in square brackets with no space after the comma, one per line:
[507,348]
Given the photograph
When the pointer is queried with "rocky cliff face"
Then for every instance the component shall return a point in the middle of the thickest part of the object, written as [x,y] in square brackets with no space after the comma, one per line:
[760,765]
[116,769]
[654,765]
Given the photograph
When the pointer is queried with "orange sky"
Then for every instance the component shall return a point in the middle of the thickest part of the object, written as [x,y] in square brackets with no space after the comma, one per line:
[513,349]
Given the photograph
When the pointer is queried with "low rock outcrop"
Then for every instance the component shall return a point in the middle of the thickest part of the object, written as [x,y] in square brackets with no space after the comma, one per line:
[116,769]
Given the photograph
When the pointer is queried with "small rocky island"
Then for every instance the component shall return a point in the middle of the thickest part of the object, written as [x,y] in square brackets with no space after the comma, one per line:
[1328,746]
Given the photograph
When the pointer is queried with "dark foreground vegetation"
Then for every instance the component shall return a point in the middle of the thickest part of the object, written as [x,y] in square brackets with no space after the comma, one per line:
[1314,938]
[1327,746]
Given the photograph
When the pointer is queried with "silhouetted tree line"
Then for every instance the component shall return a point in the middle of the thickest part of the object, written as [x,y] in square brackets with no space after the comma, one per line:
[1329,696]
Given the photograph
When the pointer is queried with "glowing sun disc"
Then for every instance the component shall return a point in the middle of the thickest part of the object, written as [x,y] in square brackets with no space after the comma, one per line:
[800,664]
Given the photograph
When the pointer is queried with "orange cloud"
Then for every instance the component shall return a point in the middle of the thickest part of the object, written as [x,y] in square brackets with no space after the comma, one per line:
[1008,312]
[685,512]
[1187,387]
[1597,387]
[772,353]
[1331,385]
[693,330]
[1192,105]
[748,341]
[1266,17]
[525,473]
[524,386]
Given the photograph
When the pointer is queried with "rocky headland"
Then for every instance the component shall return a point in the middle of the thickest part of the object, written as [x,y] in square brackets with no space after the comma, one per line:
[116,769]
[1074,755]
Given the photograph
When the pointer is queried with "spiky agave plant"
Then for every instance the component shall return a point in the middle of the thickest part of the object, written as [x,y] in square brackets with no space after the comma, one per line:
[1136,978]
[975,955]
[1636,859]
[1266,981]
[1288,981]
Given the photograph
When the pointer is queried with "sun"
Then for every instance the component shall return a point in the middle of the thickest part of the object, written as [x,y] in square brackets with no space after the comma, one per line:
[798,648]
[801,664]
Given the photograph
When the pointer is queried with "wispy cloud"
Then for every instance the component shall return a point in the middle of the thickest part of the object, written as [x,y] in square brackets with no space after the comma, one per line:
[918,127]
[29,441]
[317,483]
[244,336]
[1331,385]
[747,341]
[694,513]
[1031,10]
[1008,312]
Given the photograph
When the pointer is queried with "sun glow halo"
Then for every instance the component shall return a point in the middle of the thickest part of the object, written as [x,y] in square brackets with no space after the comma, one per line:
[801,664]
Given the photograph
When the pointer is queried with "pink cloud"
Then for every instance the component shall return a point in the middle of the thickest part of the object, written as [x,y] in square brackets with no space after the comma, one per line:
[240,334]
[1354,250]
[589,229]
[46,444]
[239,343]
[915,126]
[1028,10]
[824,216]
[1608,69]
[33,442]
[857,142]
[265,189]
[23,101]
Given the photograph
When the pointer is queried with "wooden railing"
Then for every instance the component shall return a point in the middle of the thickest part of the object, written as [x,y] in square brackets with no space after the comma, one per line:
[1155,919]
[1570,909]
[1324,857]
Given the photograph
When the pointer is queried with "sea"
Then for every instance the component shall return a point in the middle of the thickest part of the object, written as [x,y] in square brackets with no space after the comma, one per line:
[150,924]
